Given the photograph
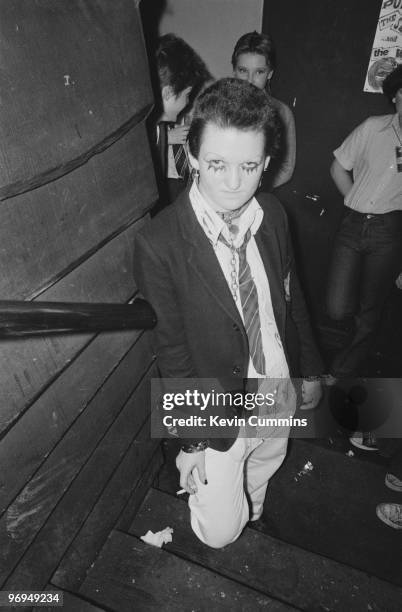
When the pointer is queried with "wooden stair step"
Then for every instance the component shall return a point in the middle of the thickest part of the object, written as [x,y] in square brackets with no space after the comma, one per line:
[130,575]
[71,602]
[285,572]
[329,510]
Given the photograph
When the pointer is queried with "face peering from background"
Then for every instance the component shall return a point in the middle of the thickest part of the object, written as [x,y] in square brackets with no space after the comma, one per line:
[252,67]
[254,59]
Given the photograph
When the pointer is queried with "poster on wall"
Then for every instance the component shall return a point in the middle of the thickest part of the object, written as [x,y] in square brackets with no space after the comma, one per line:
[386,53]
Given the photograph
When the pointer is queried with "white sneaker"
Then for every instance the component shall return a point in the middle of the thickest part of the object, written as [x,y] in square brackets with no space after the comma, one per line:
[364,440]
[390,514]
[392,482]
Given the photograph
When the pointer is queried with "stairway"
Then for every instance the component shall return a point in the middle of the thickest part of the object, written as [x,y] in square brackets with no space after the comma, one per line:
[300,556]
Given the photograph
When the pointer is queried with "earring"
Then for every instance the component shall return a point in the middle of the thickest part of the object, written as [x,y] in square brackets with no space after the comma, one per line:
[195,174]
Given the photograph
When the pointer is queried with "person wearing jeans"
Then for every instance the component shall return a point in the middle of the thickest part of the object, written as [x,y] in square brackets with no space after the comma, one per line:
[367,254]
[366,259]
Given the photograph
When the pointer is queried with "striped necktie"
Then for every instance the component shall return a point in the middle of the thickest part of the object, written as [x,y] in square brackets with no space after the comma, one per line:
[249,304]
[181,162]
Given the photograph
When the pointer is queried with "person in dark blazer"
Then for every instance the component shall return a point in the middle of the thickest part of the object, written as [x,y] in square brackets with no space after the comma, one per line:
[217,267]
[181,74]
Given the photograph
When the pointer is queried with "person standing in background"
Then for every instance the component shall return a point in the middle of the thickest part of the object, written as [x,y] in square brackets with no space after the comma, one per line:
[367,253]
[254,60]
[181,74]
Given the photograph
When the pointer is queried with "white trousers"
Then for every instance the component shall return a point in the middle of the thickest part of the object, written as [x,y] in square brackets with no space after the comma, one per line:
[220,509]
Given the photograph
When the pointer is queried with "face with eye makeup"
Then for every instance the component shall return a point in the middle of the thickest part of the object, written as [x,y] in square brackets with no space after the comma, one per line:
[230,163]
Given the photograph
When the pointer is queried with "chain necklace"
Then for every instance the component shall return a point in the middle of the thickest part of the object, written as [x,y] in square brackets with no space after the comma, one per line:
[233,231]
[234,284]
[229,215]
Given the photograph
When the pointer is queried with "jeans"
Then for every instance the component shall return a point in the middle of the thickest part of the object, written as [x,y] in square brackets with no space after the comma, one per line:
[366,260]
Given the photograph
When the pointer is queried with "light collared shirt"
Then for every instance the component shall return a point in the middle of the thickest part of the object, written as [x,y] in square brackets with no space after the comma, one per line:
[171,164]
[213,225]
[171,170]
[370,152]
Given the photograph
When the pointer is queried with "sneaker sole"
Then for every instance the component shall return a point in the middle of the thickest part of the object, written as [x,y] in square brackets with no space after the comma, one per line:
[386,520]
[392,486]
[362,446]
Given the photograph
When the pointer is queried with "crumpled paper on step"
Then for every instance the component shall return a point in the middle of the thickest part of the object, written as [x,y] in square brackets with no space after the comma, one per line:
[158,538]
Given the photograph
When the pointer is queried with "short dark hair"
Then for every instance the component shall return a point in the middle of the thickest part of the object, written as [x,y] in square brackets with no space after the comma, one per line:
[233,103]
[253,42]
[392,83]
[179,66]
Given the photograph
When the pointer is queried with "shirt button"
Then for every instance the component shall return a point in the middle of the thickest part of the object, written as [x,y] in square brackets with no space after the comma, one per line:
[236,370]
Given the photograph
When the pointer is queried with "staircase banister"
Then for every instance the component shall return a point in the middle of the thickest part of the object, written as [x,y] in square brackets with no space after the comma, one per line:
[21,318]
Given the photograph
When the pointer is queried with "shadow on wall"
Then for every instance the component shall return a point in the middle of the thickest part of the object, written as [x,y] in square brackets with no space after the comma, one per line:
[151,14]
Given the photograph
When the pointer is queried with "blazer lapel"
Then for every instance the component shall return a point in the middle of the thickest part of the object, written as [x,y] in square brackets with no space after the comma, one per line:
[204,262]
[269,248]
[202,258]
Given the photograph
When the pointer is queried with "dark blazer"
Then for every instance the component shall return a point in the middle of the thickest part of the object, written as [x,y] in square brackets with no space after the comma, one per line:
[169,188]
[200,333]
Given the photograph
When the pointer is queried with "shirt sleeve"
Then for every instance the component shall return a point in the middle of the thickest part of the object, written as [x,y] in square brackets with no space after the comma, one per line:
[352,147]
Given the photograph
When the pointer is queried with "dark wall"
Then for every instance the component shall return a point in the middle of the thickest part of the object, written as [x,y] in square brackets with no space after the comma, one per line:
[76,182]
[323,49]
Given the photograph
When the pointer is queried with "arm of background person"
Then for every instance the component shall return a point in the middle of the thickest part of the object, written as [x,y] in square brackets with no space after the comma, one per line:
[341,177]
[287,166]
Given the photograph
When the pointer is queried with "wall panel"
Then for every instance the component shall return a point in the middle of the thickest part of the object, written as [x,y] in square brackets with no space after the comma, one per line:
[76,183]
[73,73]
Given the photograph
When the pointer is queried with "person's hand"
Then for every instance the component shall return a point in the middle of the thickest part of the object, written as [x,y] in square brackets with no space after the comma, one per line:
[186,463]
[311,394]
[178,135]
[398,281]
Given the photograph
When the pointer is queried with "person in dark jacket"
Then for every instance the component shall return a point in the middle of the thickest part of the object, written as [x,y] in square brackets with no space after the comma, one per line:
[181,75]
[217,267]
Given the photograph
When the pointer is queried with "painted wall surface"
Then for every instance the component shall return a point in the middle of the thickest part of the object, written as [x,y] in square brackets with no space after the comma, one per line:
[212,27]
[323,48]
